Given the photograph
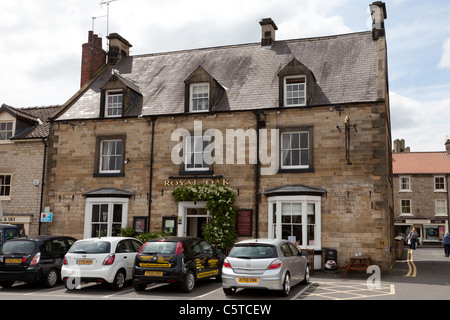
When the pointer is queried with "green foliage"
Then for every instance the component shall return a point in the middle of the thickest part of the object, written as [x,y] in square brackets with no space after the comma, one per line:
[219,230]
[143,237]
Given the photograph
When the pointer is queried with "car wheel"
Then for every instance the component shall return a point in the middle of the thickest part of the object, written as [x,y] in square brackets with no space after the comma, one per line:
[119,281]
[307,277]
[51,279]
[229,291]
[188,283]
[286,286]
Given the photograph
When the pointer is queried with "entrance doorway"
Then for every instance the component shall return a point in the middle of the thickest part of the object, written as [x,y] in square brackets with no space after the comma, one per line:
[191,218]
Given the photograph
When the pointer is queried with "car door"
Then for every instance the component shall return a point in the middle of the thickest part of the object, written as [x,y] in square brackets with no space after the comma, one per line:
[211,261]
[298,263]
[125,256]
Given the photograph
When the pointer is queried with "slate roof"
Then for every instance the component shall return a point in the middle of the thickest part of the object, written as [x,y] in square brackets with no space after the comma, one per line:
[344,67]
[36,117]
[421,163]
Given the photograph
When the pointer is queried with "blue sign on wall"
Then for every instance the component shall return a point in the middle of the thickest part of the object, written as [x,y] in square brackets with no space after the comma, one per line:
[46,217]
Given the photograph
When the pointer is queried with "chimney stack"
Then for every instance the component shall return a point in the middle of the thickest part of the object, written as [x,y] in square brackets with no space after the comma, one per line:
[118,47]
[93,57]
[447,147]
[268,28]
[379,14]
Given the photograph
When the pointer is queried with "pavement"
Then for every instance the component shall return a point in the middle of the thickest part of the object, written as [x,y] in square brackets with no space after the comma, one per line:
[421,274]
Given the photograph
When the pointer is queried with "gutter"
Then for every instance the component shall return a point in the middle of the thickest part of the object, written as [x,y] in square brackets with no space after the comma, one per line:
[153,120]
[44,141]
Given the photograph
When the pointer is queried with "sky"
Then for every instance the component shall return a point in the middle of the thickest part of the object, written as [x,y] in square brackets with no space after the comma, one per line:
[40,45]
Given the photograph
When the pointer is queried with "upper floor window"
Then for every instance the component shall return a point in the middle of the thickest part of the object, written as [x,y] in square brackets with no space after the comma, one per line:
[5,186]
[199,97]
[405,184]
[114,102]
[405,207]
[195,158]
[441,207]
[6,130]
[294,91]
[439,184]
[111,156]
[295,150]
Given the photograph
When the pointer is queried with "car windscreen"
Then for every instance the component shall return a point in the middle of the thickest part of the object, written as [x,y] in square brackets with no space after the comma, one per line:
[163,247]
[253,251]
[18,247]
[90,247]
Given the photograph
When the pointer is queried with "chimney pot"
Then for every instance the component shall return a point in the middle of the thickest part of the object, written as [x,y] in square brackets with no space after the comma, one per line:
[93,57]
[268,28]
[379,14]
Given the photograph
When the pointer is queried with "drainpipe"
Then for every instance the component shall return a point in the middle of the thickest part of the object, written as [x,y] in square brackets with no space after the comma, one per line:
[257,113]
[153,120]
[44,141]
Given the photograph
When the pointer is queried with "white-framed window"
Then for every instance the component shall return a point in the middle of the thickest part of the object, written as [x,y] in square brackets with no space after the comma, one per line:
[5,186]
[295,150]
[405,184]
[405,207]
[199,97]
[105,216]
[294,91]
[6,130]
[296,218]
[195,157]
[439,184]
[441,207]
[114,102]
[110,156]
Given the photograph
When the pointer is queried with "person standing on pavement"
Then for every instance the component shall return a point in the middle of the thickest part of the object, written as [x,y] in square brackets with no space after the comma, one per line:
[446,243]
[413,237]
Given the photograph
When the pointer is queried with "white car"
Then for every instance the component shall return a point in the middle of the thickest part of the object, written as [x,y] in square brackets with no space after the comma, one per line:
[102,260]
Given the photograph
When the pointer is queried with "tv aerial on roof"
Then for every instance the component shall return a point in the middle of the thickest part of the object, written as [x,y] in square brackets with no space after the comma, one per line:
[107,2]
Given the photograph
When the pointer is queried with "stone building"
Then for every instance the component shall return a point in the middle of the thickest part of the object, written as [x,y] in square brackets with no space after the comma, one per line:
[421,197]
[23,145]
[298,129]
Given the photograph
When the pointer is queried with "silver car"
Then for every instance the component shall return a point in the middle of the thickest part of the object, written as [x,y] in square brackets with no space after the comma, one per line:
[264,264]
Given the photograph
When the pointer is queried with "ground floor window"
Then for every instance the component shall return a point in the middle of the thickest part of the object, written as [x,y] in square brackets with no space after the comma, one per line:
[296,218]
[104,217]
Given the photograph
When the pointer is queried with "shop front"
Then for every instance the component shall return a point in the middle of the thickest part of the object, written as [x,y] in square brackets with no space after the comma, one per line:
[431,232]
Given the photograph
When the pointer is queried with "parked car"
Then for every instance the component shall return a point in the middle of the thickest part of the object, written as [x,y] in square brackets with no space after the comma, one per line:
[264,264]
[104,260]
[8,232]
[180,260]
[33,259]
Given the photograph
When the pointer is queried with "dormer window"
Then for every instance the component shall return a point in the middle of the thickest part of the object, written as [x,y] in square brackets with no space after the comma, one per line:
[199,97]
[114,103]
[294,91]
[6,130]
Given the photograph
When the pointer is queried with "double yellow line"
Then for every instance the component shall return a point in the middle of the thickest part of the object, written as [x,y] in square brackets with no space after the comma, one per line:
[412,269]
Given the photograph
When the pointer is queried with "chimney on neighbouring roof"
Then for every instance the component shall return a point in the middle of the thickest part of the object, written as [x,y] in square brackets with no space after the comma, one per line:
[379,14]
[447,147]
[93,57]
[118,47]
[268,28]
[399,146]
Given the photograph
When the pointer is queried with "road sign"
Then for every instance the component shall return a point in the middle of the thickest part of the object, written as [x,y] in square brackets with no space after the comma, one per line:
[46,217]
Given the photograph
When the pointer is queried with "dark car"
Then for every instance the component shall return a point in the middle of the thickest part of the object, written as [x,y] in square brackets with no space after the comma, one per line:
[33,259]
[181,260]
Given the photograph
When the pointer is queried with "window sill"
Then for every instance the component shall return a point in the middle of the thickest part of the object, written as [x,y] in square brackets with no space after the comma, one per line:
[295,170]
[195,172]
[109,175]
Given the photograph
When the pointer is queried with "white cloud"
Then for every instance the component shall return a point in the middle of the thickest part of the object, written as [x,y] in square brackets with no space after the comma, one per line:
[423,125]
[445,60]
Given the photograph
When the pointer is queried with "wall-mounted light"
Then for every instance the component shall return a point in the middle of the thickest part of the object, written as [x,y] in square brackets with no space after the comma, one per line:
[126,160]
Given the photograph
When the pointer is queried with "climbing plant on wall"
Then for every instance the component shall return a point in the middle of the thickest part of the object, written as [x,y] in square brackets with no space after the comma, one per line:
[220,229]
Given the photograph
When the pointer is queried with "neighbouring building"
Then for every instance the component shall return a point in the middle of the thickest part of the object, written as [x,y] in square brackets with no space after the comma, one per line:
[23,146]
[421,197]
[142,125]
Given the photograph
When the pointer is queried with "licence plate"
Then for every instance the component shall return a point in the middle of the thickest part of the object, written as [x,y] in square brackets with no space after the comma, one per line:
[15,261]
[248,280]
[85,261]
[154,273]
